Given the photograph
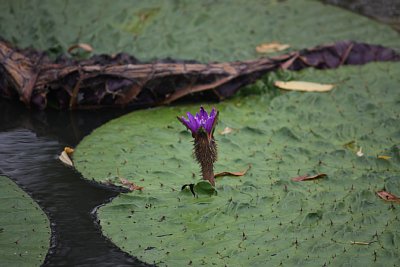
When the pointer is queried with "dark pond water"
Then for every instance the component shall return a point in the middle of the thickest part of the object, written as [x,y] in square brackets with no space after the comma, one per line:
[29,145]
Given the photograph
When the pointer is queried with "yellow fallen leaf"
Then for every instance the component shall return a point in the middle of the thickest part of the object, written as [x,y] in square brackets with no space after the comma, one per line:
[83,46]
[384,157]
[304,86]
[271,47]
[69,150]
[65,159]
[227,130]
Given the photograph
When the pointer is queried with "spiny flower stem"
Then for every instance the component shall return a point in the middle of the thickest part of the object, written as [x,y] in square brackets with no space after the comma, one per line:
[205,152]
[202,127]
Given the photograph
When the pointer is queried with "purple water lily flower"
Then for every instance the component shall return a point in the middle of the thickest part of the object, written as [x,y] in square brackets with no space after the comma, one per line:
[202,126]
[200,120]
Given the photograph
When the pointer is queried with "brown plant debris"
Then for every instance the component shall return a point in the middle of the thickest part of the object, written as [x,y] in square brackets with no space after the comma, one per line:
[388,196]
[241,173]
[122,80]
[309,177]
[131,185]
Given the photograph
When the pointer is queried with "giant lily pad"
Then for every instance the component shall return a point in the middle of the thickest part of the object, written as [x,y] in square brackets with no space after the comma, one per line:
[202,30]
[263,217]
[24,228]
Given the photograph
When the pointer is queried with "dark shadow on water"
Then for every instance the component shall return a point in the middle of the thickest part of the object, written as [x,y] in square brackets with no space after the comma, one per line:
[29,144]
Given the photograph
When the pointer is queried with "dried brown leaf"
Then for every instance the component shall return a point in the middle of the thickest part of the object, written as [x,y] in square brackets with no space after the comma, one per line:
[69,150]
[308,177]
[271,47]
[388,196]
[241,173]
[303,86]
[131,185]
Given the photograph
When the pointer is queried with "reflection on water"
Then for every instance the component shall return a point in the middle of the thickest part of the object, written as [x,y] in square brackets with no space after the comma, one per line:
[29,144]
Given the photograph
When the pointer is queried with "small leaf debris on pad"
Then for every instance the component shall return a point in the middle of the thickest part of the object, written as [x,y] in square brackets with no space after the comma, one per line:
[241,173]
[225,131]
[388,196]
[362,243]
[303,86]
[131,185]
[308,177]
[65,156]
[271,47]
[83,46]
[69,150]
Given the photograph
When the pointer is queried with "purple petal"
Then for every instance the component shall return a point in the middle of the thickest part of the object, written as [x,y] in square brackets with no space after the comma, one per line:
[194,124]
[209,125]
[185,122]
[210,121]
[213,113]
[201,120]
[203,113]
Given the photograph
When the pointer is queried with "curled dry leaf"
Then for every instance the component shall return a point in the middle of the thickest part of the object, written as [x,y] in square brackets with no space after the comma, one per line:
[83,46]
[221,174]
[69,150]
[131,185]
[226,130]
[65,159]
[303,86]
[271,47]
[388,196]
[308,177]
[384,157]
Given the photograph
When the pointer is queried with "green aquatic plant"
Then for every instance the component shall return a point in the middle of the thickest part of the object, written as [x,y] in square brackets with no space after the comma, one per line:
[263,218]
[202,127]
[24,227]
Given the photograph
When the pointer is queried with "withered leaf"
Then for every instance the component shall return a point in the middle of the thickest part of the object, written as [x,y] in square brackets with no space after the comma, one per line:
[309,177]
[303,86]
[226,130]
[241,173]
[65,159]
[388,196]
[126,80]
[131,185]
[271,47]
[83,46]
[69,150]
[384,157]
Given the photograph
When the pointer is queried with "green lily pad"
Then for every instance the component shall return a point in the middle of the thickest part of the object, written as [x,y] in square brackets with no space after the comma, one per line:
[24,228]
[204,188]
[202,30]
[263,216]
